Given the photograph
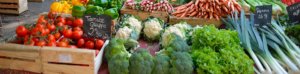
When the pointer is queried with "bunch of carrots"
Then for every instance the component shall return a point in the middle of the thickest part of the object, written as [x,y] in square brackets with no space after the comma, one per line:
[290,2]
[207,9]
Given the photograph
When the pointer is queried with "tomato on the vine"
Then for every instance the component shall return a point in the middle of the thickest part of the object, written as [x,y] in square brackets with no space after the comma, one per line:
[80,43]
[67,33]
[99,44]
[43,32]
[47,31]
[77,29]
[51,43]
[69,21]
[21,31]
[40,26]
[51,15]
[51,38]
[41,20]
[34,31]
[36,39]
[77,34]
[30,42]
[59,24]
[78,22]
[51,27]
[61,19]
[62,44]
[57,35]
[89,45]
[41,43]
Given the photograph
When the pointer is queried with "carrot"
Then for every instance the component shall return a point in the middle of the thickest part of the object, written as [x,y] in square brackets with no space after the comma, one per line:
[194,13]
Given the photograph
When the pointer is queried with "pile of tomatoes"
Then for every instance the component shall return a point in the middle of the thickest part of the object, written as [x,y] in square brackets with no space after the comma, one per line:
[54,30]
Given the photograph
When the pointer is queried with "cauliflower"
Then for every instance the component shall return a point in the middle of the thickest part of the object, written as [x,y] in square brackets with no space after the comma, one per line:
[124,33]
[153,28]
[135,24]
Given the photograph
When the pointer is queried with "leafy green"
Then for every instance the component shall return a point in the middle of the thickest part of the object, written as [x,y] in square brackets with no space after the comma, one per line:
[218,51]
[141,62]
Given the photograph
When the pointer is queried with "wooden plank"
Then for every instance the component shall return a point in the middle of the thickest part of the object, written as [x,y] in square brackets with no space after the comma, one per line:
[66,69]
[35,0]
[143,15]
[23,6]
[3,5]
[33,66]
[9,1]
[195,21]
[18,47]
[68,55]
[18,54]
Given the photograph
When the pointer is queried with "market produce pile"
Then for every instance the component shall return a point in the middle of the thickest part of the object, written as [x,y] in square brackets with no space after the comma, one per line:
[149,5]
[277,6]
[207,9]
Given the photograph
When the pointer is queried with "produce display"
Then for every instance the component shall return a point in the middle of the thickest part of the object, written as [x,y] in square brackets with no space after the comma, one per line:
[207,9]
[270,48]
[57,31]
[153,27]
[277,6]
[149,5]
[290,2]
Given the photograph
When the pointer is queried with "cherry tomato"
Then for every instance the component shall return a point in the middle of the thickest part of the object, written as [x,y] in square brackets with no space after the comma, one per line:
[21,31]
[43,32]
[57,35]
[51,38]
[36,40]
[41,20]
[80,43]
[77,34]
[41,43]
[34,31]
[98,44]
[30,42]
[72,46]
[65,40]
[77,29]
[89,45]
[69,22]
[62,44]
[51,43]
[61,19]
[47,31]
[59,24]
[51,27]
[78,22]
[51,15]
[67,33]
[40,26]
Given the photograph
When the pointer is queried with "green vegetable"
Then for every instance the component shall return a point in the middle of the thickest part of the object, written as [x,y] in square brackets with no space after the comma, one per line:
[162,64]
[176,42]
[103,3]
[141,62]
[218,51]
[91,9]
[117,56]
[294,33]
[78,11]
[116,4]
[112,12]
[179,2]
[181,62]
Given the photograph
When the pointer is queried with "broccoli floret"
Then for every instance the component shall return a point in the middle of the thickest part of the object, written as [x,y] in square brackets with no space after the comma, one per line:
[181,63]
[162,64]
[119,64]
[141,62]
[176,42]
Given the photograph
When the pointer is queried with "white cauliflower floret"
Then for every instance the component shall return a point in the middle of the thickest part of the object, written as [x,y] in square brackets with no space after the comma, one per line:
[152,29]
[124,33]
[135,23]
[183,26]
[175,30]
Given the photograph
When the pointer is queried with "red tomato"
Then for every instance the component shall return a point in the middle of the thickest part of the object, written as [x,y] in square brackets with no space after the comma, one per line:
[78,22]
[51,43]
[69,22]
[34,31]
[80,43]
[99,44]
[43,32]
[64,40]
[51,15]
[59,24]
[41,20]
[57,35]
[77,29]
[77,34]
[26,38]
[21,31]
[72,46]
[67,33]
[36,40]
[51,38]
[40,26]
[51,27]
[89,45]
[41,43]
[30,42]
[62,44]
[61,19]
[47,31]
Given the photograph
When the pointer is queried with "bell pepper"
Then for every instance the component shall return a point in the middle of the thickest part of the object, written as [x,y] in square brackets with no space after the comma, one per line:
[113,12]
[92,2]
[77,3]
[116,4]
[78,11]
[91,9]
[56,7]
[102,3]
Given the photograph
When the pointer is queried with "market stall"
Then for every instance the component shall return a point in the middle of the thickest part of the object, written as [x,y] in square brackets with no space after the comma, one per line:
[158,37]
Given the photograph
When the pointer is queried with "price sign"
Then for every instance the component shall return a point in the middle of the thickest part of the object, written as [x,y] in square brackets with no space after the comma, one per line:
[263,15]
[293,11]
[97,26]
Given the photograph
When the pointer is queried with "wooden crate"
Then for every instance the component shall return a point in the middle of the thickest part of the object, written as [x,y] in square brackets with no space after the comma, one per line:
[143,15]
[20,57]
[13,6]
[35,0]
[195,21]
[57,60]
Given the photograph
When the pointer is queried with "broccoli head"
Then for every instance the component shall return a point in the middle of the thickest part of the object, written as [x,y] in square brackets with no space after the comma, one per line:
[181,63]
[119,64]
[141,62]
[176,42]
[162,64]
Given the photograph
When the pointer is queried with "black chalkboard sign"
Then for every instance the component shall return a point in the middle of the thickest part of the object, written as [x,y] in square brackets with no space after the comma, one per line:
[293,11]
[263,15]
[97,26]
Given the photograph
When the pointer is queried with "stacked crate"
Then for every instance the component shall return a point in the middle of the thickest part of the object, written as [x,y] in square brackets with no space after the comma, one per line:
[13,6]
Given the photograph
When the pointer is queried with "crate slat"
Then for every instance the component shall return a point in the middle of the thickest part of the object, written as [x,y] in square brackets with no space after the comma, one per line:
[21,6]
[10,1]
[35,0]
[67,69]
[195,21]
[143,15]
[2,5]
